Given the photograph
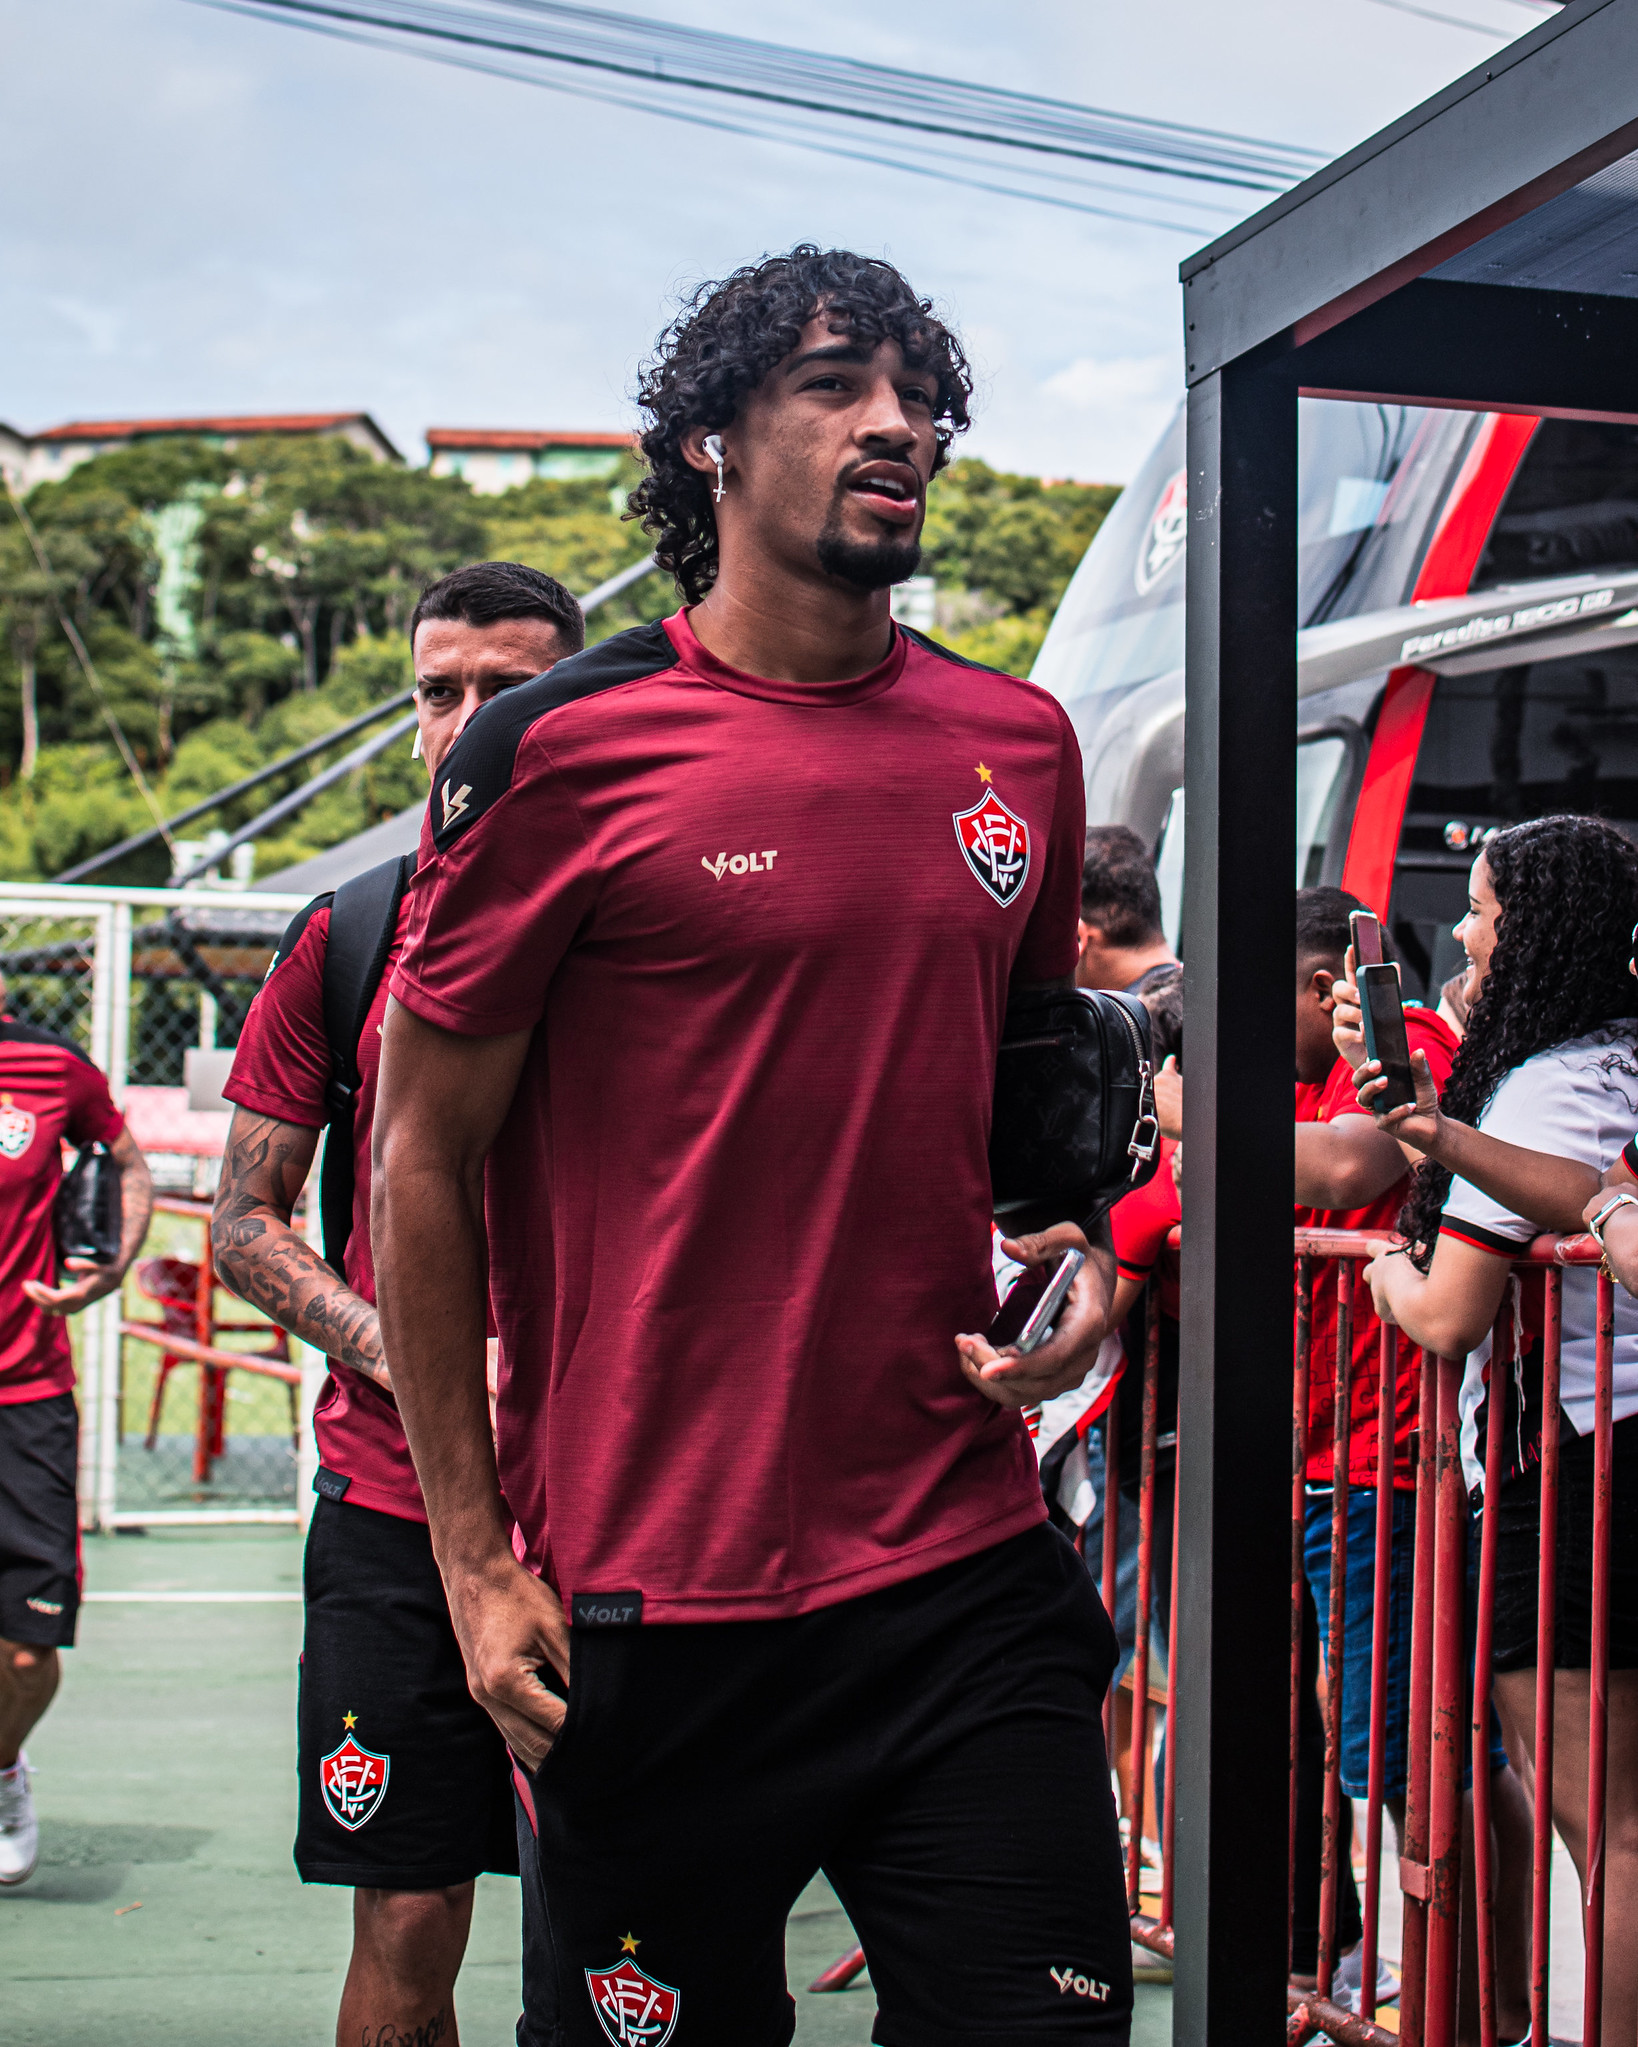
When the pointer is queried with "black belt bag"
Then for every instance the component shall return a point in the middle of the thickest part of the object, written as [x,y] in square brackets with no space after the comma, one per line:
[87,1216]
[1074,1126]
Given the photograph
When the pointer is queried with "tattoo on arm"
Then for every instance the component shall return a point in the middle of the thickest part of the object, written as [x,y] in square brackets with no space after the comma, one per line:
[263,1259]
[136,1197]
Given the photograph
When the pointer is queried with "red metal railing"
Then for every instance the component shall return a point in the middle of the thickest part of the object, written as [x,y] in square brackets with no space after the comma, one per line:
[1446,1731]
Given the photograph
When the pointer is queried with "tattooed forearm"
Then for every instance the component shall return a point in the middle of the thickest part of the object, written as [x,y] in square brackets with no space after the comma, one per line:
[266,1263]
[431,2034]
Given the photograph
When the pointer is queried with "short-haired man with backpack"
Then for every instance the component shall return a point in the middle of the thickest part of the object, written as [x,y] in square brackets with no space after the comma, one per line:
[405,1790]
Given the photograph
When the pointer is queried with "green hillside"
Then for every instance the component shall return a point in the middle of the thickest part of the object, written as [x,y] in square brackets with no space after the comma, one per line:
[236,605]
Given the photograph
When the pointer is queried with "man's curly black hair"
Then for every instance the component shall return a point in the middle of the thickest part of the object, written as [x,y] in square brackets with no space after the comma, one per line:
[1568,889]
[727,338]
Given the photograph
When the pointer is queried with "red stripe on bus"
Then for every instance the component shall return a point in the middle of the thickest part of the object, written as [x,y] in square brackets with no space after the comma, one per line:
[1379,815]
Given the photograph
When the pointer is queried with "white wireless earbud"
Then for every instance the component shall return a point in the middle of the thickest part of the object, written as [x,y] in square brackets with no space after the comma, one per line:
[415,750]
[713,447]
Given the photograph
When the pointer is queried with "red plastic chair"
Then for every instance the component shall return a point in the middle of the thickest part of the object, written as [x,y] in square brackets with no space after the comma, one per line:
[172,1284]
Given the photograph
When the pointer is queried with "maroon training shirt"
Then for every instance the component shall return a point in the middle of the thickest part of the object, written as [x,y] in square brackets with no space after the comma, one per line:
[763,934]
[49,1092]
[282,1069]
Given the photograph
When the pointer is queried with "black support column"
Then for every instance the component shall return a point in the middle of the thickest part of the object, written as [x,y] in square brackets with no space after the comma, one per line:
[1234,1476]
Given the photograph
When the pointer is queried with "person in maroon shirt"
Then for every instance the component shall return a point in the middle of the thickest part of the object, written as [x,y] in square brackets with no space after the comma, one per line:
[706,969]
[404,1786]
[50,1093]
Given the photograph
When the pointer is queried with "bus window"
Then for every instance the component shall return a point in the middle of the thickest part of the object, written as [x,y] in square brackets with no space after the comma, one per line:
[1572,506]
[1169,873]
[1498,747]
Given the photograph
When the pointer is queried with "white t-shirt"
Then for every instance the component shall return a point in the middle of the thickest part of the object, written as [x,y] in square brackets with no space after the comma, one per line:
[1578,1100]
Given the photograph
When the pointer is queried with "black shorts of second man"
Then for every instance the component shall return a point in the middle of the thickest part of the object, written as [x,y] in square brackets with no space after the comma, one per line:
[39,1522]
[404,1783]
[935,1747]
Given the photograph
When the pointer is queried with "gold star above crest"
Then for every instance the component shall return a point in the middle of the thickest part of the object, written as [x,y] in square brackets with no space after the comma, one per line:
[984,774]
[629,1944]
[349,1721]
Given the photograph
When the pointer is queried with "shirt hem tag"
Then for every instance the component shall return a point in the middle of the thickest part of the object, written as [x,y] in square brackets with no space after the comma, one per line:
[606,1609]
[330,1485]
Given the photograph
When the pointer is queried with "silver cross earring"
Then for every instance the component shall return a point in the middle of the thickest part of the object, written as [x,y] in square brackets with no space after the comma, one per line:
[713,447]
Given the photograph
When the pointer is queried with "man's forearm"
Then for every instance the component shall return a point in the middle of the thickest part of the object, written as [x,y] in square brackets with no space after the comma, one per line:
[428,1230]
[136,1200]
[1548,1191]
[1345,1164]
[265,1262]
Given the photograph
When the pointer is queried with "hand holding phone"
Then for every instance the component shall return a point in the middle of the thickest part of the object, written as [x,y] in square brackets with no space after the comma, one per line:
[1383,1017]
[1026,1316]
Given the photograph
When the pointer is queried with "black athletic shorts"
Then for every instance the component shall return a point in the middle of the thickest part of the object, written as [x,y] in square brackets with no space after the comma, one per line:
[39,1522]
[404,1784]
[1518,1557]
[935,1747]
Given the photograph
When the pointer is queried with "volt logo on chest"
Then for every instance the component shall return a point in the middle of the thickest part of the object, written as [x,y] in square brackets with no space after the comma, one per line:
[739,863]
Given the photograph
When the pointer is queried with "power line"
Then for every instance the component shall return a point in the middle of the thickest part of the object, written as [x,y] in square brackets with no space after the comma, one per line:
[658,60]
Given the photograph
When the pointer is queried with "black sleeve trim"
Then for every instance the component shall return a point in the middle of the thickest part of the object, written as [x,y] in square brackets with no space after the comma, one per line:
[1480,1238]
[12,1033]
[478,770]
[1629,1156]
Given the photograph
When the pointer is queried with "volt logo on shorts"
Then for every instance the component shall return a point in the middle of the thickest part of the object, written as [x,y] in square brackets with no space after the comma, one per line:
[632,2008]
[739,863]
[353,1780]
[1083,1986]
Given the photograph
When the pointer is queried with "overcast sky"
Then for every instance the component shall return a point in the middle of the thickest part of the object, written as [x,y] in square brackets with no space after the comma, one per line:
[207,213]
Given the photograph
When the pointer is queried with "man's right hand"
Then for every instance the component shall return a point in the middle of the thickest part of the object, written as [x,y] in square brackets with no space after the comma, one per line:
[509,1626]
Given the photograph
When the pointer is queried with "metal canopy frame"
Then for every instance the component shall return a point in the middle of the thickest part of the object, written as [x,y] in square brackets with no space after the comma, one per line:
[1326,292]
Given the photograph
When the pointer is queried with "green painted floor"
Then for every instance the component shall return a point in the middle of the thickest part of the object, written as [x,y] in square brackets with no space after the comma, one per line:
[165,1912]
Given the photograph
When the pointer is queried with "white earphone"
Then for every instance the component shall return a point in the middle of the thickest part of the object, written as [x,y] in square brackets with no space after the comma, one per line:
[713,447]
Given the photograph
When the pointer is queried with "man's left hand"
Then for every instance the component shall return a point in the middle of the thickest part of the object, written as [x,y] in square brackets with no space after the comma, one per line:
[1071,1351]
[69,1300]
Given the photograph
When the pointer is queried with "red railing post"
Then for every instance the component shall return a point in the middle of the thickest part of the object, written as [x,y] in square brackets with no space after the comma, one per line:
[1541,1899]
[1449,1688]
[1484,1883]
[1334,1849]
[1107,1588]
[211,1383]
[1145,1578]
[1299,1506]
[1413,1862]
[1387,1415]
[1598,1660]
[1168,1819]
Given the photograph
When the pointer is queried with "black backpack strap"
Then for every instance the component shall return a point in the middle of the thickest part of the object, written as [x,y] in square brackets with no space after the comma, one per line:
[363,919]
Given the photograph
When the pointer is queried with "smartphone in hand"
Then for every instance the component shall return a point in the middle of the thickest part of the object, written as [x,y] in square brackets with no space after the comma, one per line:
[1383,1017]
[1366,932]
[1026,1316]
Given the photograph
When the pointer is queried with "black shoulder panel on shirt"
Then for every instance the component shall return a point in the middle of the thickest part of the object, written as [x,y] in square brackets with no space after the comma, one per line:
[294,929]
[12,1033]
[478,769]
[928,646]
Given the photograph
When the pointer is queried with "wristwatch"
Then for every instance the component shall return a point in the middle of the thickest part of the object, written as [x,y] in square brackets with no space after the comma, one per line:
[1596,1226]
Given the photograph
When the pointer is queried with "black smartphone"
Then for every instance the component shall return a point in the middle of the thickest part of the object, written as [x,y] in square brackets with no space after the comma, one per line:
[1025,1317]
[1366,933]
[1383,1015]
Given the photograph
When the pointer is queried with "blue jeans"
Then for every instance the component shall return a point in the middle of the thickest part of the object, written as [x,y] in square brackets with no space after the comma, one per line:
[1357,1629]
[1358,1624]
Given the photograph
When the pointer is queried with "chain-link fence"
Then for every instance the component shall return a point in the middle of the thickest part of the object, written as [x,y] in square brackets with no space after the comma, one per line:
[138,978]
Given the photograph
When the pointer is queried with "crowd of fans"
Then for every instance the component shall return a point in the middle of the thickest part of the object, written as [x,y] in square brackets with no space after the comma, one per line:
[1527,1102]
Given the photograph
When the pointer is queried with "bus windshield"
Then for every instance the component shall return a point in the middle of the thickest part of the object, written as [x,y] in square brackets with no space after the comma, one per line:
[1372,481]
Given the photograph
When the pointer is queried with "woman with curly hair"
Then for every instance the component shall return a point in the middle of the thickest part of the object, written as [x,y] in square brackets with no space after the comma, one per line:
[1541,1099]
